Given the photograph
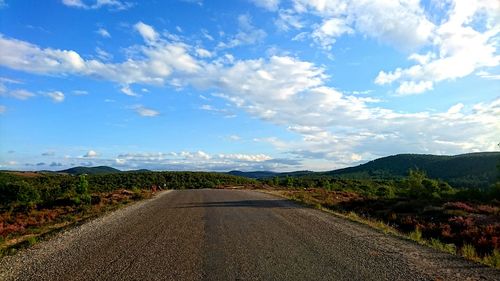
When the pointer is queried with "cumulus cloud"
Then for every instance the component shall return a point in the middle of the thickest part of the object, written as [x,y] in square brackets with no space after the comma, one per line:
[326,34]
[402,24]
[161,60]
[90,154]
[462,47]
[457,37]
[147,32]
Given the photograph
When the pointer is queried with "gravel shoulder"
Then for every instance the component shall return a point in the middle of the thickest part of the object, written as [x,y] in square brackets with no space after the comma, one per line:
[231,235]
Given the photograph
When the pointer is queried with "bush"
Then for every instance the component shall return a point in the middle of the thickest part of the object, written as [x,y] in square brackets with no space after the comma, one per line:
[468,251]
[27,195]
[416,235]
[493,259]
[449,248]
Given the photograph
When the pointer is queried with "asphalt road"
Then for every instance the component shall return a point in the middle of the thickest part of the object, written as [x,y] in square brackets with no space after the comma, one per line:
[231,235]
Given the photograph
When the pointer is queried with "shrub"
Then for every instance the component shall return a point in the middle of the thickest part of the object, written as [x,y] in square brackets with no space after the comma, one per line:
[469,252]
[416,235]
[449,248]
[493,259]
[27,195]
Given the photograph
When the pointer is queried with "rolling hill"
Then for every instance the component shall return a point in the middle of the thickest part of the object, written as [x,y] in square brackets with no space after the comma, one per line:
[90,170]
[464,170]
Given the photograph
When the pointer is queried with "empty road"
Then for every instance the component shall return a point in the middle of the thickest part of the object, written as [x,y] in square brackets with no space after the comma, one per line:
[231,235]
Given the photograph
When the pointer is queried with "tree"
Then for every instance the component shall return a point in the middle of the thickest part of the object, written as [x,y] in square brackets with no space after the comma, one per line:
[83,190]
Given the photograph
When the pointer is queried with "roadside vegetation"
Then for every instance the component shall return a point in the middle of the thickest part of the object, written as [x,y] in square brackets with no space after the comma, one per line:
[36,205]
[431,212]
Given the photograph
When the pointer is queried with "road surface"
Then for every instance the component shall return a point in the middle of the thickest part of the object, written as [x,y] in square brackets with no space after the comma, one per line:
[231,235]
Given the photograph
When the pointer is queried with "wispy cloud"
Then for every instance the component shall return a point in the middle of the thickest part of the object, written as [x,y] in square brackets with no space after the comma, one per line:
[56,96]
[103,32]
[145,112]
[20,94]
[111,4]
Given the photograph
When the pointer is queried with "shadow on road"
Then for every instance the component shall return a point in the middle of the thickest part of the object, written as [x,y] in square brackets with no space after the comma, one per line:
[241,203]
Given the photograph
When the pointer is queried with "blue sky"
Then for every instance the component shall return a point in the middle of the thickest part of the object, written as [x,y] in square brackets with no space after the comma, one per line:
[247,84]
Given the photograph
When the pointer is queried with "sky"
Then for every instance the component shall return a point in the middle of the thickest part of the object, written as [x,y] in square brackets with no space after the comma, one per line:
[277,85]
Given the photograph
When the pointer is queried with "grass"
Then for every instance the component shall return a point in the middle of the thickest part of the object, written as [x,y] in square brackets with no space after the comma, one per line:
[416,236]
[449,248]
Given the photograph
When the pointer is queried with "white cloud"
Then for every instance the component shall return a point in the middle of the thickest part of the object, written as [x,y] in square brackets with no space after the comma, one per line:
[80,93]
[284,90]
[20,94]
[461,45]
[402,23]
[248,34]
[90,154]
[128,91]
[327,33]
[200,160]
[159,61]
[74,3]
[147,32]
[103,55]
[412,87]
[103,32]
[3,109]
[487,75]
[56,96]
[3,4]
[225,112]
[145,112]
[287,19]
[24,56]
[97,4]
[271,5]
[202,53]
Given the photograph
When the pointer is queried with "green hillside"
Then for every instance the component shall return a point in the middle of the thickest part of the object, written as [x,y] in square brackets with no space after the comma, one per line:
[464,170]
[90,170]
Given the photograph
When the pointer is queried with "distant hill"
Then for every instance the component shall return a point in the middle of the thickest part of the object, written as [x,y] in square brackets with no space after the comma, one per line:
[90,170]
[254,175]
[268,174]
[464,170]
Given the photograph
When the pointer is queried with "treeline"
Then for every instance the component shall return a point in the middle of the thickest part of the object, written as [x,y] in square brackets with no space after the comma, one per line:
[416,185]
[48,189]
